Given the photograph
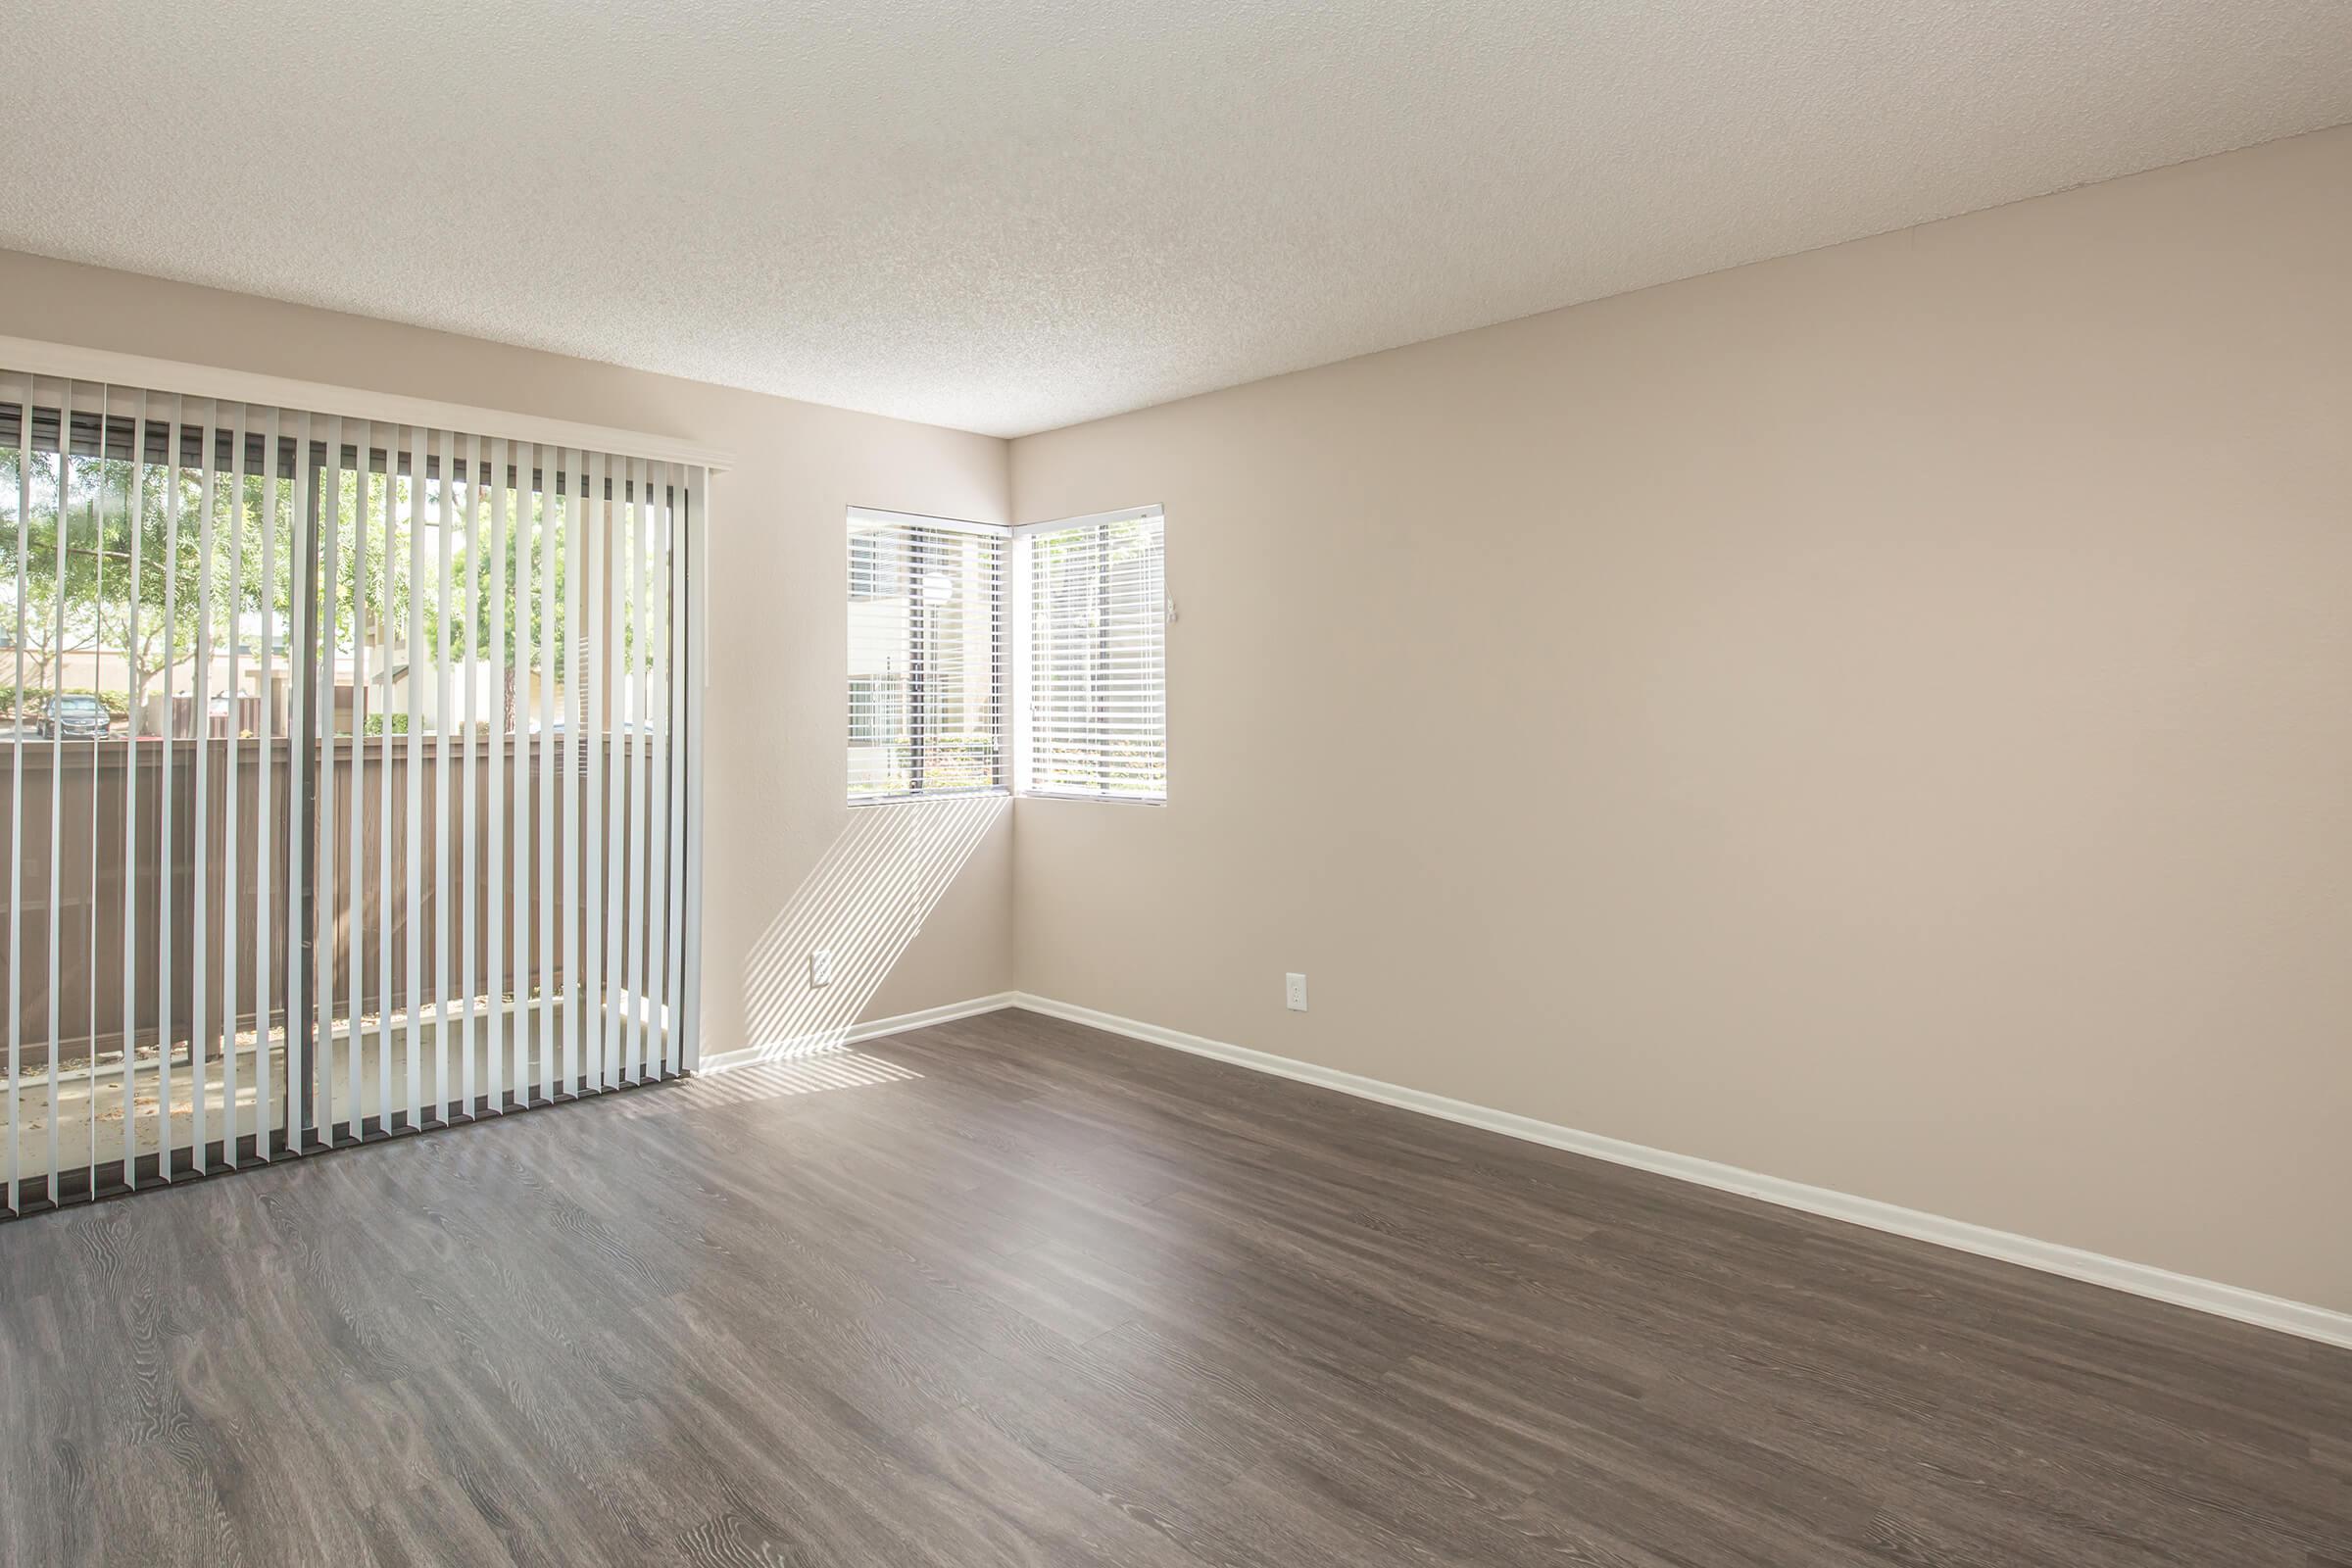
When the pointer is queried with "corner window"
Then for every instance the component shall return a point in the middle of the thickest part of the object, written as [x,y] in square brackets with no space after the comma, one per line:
[1092,618]
[928,619]
[926,690]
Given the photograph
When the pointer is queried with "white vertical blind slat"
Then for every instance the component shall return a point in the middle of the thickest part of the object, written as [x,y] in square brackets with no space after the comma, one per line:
[664,794]
[413,980]
[136,518]
[470,730]
[444,980]
[326,929]
[300,542]
[619,747]
[524,797]
[166,858]
[199,1072]
[603,808]
[22,393]
[57,793]
[355,933]
[544,816]
[387,576]
[574,761]
[639,731]
[692,557]
[233,802]
[92,1078]
[500,874]
[264,842]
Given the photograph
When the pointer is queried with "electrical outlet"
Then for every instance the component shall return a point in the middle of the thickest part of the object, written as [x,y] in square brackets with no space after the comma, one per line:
[820,967]
[1295,992]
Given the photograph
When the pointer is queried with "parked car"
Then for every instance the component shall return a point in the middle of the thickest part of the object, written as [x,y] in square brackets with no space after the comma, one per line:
[75,719]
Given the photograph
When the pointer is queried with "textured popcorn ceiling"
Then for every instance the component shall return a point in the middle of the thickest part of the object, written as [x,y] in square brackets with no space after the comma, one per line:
[1009,217]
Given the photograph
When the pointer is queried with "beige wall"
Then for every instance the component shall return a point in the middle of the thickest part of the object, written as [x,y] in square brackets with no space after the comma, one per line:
[775,782]
[1882,717]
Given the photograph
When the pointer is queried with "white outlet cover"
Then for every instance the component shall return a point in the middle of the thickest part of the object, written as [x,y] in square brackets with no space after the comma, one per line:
[820,967]
[1295,992]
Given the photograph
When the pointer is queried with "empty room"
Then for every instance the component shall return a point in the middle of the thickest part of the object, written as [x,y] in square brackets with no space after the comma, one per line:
[1203,785]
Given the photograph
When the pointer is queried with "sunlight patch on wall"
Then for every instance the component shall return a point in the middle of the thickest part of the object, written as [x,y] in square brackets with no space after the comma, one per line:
[864,903]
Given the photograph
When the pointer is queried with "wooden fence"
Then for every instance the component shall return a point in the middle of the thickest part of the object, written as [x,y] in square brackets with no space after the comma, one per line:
[89,781]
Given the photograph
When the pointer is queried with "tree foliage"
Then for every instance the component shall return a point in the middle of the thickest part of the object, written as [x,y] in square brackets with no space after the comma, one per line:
[387,554]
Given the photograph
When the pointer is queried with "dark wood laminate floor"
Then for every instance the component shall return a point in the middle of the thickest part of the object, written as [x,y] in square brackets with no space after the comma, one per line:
[1010,1291]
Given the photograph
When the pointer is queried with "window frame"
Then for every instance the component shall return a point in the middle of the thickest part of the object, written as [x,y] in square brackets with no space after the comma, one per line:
[1022,657]
[910,683]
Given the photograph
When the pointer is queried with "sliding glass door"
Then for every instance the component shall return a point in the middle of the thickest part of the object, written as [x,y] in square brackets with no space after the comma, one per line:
[346,779]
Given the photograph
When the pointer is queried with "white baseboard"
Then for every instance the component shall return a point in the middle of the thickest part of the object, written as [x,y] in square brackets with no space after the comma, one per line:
[871,1029]
[2139,1279]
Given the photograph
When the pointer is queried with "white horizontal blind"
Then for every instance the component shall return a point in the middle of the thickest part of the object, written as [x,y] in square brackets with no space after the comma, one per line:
[1094,628]
[320,730]
[926,692]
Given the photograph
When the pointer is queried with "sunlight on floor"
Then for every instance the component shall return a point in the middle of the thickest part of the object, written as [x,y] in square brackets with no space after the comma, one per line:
[814,1074]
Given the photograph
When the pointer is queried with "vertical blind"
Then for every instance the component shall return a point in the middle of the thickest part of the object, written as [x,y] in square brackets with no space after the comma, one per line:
[348,779]
[1093,618]
[926,692]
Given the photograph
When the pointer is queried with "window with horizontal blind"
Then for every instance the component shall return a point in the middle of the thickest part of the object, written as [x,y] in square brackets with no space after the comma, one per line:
[1091,616]
[926,693]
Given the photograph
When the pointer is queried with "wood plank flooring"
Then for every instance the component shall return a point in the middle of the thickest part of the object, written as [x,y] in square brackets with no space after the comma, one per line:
[1012,1292]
